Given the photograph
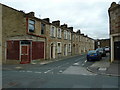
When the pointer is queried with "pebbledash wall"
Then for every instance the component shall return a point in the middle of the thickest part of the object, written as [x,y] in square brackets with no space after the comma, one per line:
[28,39]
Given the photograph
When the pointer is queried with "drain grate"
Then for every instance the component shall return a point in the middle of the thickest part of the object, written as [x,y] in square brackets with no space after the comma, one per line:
[102,69]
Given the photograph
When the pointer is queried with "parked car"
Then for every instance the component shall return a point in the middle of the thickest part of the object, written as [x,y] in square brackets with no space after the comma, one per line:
[93,55]
[101,51]
[107,49]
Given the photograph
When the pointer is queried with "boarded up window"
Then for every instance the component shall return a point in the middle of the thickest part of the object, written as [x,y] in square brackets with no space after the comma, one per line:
[37,50]
[13,50]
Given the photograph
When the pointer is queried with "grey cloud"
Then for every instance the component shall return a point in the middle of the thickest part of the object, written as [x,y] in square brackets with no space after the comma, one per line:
[90,17]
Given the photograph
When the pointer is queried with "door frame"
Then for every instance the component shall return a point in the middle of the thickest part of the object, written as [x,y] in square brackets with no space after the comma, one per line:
[52,51]
[29,51]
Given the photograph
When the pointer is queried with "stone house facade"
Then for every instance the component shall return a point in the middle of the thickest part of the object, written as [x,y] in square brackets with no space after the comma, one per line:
[114,19]
[21,37]
[99,43]
[28,39]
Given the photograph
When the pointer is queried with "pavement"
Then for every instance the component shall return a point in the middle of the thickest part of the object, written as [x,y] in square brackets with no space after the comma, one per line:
[7,67]
[105,67]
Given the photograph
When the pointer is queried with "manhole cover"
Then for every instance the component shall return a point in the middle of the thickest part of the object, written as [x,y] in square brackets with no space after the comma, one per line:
[102,69]
[75,64]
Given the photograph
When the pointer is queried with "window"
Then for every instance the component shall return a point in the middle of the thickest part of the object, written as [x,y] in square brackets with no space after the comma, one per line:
[52,32]
[65,34]
[69,47]
[42,28]
[79,38]
[59,33]
[70,35]
[73,37]
[76,38]
[59,47]
[31,25]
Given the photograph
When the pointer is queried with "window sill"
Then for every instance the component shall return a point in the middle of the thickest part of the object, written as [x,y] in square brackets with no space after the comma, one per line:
[52,36]
[59,38]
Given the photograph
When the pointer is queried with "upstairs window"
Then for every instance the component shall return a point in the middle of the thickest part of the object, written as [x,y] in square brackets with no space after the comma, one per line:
[73,37]
[76,38]
[79,38]
[70,35]
[59,33]
[42,28]
[65,34]
[52,32]
[31,25]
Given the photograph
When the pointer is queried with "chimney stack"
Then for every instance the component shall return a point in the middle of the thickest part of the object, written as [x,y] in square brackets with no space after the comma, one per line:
[70,28]
[78,31]
[31,14]
[57,23]
[64,25]
[47,20]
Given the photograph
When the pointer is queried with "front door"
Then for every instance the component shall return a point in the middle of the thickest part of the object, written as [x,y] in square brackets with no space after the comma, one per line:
[25,54]
[65,50]
[117,50]
[51,50]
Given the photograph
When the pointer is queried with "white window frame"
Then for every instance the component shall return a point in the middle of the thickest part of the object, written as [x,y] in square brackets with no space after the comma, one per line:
[70,35]
[64,34]
[59,32]
[53,31]
[69,47]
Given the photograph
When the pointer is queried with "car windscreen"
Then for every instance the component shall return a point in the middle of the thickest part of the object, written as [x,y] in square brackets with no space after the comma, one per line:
[99,49]
[92,52]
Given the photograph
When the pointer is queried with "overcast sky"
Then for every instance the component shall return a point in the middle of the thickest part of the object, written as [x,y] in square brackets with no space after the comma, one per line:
[90,16]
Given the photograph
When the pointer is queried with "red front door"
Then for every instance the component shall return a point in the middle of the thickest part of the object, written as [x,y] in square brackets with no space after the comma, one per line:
[25,54]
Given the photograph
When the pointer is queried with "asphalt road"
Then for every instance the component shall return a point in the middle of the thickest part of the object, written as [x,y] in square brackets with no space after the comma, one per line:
[66,73]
